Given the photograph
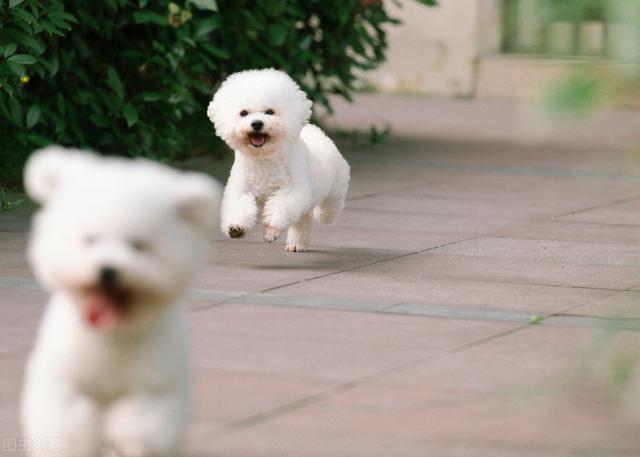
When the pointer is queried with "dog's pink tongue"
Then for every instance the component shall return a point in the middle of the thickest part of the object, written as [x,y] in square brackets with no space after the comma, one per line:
[101,311]
[257,139]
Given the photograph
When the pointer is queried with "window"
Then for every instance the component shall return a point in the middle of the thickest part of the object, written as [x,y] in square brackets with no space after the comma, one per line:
[556,27]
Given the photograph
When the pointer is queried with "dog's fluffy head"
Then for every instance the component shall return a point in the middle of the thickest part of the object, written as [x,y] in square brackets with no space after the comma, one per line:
[122,238]
[248,99]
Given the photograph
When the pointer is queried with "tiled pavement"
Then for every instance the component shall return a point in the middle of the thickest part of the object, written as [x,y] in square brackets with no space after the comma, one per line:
[455,309]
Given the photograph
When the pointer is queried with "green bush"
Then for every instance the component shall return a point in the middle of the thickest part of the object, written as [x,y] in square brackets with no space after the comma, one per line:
[134,77]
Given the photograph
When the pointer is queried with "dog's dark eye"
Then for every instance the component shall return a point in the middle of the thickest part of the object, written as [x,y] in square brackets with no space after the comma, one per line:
[90,240]
[139,245]
[244,112]
[269,112]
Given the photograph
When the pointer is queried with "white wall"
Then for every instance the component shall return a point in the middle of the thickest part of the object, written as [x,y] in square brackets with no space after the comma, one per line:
[435,50]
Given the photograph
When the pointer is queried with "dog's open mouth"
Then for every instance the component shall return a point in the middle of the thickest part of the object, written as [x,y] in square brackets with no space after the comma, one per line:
[103,306]
[258,140]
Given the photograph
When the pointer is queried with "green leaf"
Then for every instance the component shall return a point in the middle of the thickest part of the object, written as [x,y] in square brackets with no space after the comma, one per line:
[33,116]
[17,68]
[114,81]
[207,5]
[130,114]
[10,49]
[25,16]
[53,64]
[216,51]
[13,3]
[207,26]
[100,120]
[7,87]
[152,96]
[305,43]
[60,23]
[62,106]
[277,35]
[63,16]
[22,59]
[536,320]
[144,17]
[26,40]
[15,112]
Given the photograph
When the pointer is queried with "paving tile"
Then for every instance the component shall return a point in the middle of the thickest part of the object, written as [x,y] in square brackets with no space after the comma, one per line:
[255,265]
[507,424]
[497,188]
[13,261]
[574,231]
[271,440]
[225,397]
[362,187]
[322,343]
[563,315]
[539,360]
[481,209]
[433,223]
[623,305]
[407,280]
[9,434]
[564,252]
[459,312]
[462,398]
[537,195]
[317,302]
[609,324]
[476,268]
[397,239]
[20,312]
[17,220]
[12,368]
[626,213]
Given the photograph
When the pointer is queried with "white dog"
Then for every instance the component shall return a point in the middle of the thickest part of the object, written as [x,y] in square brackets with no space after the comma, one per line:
[117,243]
[285,168]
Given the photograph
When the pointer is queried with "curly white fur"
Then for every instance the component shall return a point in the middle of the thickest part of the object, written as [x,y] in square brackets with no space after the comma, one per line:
[123,386]
[291,172]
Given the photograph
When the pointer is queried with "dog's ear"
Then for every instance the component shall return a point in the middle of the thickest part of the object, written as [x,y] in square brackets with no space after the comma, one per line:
[306,106]
[211,111]
[48,168]
[199,201]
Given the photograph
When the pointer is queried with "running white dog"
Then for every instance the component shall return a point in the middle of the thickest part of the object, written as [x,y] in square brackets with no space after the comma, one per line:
[285,168]
[117,243]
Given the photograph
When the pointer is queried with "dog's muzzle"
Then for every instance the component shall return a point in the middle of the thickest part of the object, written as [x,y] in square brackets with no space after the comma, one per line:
[258,139]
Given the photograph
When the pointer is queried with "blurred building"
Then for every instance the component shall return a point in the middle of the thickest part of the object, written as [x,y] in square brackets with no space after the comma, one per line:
[507,49]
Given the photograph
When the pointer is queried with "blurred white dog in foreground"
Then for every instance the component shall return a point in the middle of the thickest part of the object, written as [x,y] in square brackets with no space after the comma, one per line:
[117,242]
[285,168]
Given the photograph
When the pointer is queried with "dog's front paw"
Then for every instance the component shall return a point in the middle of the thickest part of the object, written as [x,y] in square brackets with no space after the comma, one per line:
[236,231]
[270,234]
[296,247]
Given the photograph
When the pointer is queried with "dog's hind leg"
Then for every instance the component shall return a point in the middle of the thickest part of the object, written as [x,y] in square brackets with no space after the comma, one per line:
[299,234]
[328,209]
[333,203]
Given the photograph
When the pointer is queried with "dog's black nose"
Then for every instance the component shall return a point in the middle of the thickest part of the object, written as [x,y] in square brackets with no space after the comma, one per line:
[108,275]
[257,125]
